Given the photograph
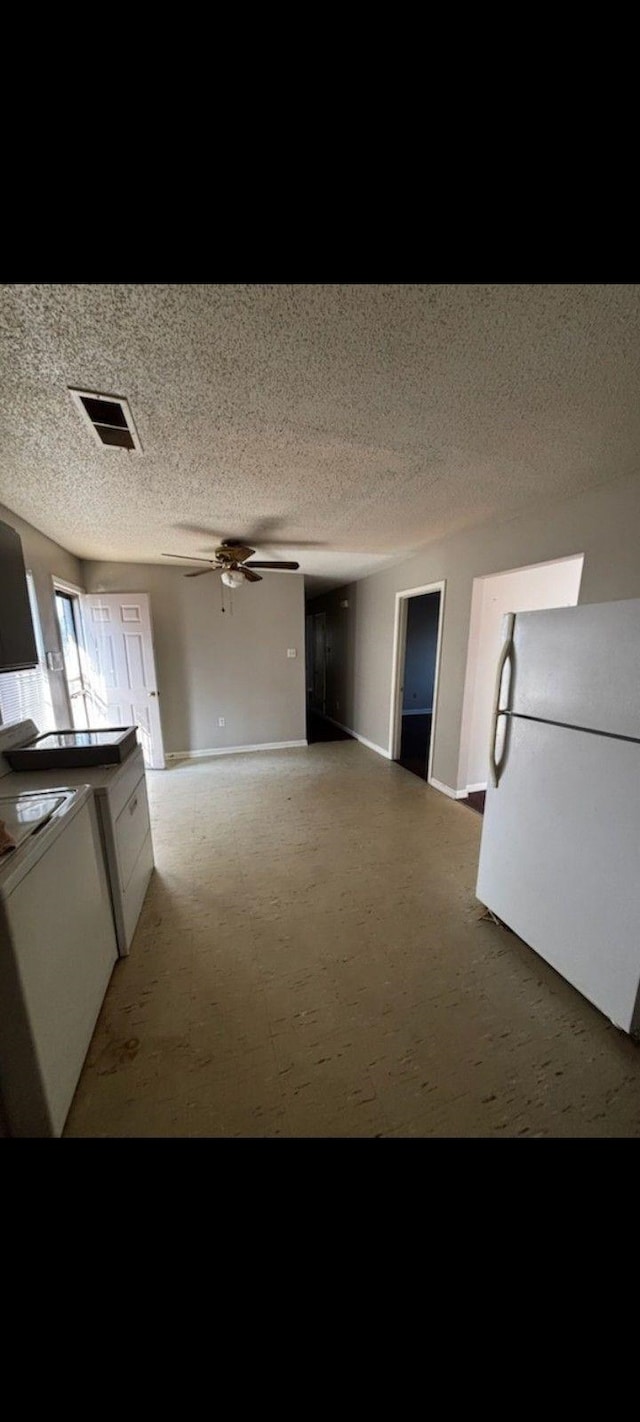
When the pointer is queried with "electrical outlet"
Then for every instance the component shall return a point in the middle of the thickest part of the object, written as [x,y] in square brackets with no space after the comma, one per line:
[221,720]
[291,652]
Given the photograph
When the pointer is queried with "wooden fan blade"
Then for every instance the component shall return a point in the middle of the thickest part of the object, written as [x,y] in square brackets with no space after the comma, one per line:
[250,577]
[189,557]
[199,573]
[292,566]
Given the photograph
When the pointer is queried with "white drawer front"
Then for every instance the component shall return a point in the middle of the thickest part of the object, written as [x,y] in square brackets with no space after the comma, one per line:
[132,827]
[126,781]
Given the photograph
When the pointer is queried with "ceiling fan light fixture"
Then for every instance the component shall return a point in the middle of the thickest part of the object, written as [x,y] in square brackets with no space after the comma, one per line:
[232,578]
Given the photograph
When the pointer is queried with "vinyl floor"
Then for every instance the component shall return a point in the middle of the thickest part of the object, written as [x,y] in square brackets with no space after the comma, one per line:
[311,961]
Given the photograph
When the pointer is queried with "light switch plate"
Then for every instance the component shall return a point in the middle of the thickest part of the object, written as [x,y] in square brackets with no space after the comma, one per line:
[291,652]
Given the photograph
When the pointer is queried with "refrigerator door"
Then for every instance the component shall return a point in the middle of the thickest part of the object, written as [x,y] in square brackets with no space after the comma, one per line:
[579,666]
[560,858]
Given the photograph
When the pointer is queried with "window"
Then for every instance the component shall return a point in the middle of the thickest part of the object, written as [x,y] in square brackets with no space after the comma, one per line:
[72,649]
[27,693]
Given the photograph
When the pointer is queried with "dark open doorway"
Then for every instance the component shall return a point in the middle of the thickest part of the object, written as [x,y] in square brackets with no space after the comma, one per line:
[320,727]
[418,684]
[475,800]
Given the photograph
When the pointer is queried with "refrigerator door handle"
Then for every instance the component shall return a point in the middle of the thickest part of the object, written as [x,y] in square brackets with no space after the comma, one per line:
[505,655]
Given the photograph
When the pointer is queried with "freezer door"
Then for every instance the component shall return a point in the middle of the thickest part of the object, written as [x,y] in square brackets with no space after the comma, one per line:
[579,666]
[560,858]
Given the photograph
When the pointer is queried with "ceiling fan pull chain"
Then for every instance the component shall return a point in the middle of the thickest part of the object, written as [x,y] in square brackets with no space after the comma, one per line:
[222,595]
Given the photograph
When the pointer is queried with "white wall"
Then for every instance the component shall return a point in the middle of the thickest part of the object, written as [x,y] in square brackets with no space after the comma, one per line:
[520,590]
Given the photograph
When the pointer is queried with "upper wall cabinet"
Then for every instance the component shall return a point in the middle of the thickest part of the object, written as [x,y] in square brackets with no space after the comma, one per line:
[17,639]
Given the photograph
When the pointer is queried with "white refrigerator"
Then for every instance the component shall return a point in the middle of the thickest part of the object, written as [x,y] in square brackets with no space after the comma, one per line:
[560,849]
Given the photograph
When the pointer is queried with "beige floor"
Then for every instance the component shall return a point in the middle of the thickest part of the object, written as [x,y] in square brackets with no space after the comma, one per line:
[310,961]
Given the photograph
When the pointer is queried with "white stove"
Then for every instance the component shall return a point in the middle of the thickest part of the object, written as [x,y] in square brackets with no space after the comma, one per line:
[57,951]
[24,815]
[122,806]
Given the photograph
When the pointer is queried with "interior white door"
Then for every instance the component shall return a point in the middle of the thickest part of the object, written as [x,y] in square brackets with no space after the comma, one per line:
[122,681]
[560,858]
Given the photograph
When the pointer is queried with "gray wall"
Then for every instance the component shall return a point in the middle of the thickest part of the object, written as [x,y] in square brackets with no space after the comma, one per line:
[420,660]
[44,558]
[236,666]
[603,524]
[209,664]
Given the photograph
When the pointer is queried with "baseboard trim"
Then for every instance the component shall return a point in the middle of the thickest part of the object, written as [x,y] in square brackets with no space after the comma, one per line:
[235,750]
[371,745]
[446,790]
[482,785]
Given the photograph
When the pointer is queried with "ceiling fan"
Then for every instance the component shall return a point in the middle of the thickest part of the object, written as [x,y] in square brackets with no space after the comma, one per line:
[231,561]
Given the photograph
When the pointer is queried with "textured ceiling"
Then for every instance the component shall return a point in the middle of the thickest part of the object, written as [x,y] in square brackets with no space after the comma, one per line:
[363,420]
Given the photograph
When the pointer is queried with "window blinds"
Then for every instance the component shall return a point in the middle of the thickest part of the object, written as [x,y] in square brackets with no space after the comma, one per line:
[27,693]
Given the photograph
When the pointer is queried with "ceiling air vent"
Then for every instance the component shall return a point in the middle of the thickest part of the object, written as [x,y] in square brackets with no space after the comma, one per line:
[108,417]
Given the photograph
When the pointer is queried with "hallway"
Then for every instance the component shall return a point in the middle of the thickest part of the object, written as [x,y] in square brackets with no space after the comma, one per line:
[311,961]
[320,728]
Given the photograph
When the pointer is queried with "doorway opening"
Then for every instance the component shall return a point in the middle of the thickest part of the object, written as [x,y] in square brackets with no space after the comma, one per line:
[418,632]
[529,589]
[73,654]
[320,727]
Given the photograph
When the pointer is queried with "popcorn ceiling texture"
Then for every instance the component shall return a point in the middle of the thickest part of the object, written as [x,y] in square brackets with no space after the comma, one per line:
[367,419]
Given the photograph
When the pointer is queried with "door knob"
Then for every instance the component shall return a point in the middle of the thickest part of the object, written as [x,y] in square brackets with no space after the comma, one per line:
[153,693]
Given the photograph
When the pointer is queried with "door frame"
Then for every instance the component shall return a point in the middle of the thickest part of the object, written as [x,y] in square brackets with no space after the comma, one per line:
[397,668]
